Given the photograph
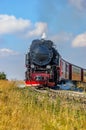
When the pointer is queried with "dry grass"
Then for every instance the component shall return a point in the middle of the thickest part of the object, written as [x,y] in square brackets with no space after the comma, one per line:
[22,109]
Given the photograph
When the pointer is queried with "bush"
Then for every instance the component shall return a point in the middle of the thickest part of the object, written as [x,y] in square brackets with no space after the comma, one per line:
[2,76]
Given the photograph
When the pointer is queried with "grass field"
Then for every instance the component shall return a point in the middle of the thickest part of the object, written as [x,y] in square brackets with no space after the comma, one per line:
[23,109]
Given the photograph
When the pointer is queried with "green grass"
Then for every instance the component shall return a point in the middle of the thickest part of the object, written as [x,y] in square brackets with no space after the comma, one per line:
[23,109]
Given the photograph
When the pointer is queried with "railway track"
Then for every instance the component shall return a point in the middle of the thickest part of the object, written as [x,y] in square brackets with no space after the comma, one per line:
[78,97]
[70,95]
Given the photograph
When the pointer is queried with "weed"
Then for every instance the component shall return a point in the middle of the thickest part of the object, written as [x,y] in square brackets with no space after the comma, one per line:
[23,109]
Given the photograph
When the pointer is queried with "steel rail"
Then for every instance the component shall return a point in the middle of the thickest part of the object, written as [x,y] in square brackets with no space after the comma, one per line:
[79,97]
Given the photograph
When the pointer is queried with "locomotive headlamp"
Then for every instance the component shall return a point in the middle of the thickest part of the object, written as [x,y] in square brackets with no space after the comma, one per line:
[48,67]
[32,66]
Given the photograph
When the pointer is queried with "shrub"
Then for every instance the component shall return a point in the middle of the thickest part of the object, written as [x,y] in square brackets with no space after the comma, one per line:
[2,76]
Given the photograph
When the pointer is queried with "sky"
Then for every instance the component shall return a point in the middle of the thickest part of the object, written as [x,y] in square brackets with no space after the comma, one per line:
[21,21]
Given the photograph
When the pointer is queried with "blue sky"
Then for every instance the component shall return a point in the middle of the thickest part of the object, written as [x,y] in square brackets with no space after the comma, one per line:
[21,21]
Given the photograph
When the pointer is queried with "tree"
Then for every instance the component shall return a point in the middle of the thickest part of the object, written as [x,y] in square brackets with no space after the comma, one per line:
[2,76]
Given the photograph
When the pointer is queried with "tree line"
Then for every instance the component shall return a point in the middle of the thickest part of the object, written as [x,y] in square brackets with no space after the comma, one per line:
[2,76]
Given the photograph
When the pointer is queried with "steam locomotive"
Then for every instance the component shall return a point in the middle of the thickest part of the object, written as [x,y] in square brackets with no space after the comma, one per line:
[46,67]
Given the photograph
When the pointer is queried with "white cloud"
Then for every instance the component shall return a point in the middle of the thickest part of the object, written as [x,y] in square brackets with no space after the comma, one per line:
[38,29]
[21,27]
[79,4]
[7,52]
[10,24]
[79,41]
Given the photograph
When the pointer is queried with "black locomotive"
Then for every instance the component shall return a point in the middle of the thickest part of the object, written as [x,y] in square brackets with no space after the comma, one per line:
[42,58]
